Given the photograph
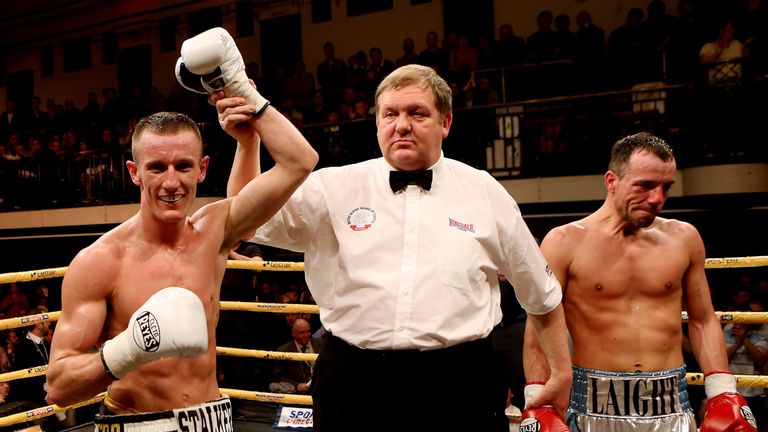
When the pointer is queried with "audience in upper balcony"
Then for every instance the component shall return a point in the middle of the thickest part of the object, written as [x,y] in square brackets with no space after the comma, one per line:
[566,40]
[589,49]
[462,60]
[409,53]
[508,49]
[331,72]
[434,55]
[542,45]
[629,56]
[661,47]
[724,56]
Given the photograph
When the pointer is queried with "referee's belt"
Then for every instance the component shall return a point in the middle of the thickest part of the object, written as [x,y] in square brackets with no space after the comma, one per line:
[465,348]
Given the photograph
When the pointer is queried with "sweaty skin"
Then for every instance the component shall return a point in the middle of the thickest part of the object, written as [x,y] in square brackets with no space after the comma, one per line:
[166,244]
[626,276]
[623,295]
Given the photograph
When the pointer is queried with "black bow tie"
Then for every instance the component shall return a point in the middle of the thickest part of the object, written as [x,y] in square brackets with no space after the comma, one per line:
[400,179]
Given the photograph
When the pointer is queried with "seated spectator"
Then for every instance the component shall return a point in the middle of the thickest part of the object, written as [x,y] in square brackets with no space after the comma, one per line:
[747,354]
[5,390]
[296,376]
[378,69]
[724,57]
[485,93]
[31,352]
[300,85]
[15,303]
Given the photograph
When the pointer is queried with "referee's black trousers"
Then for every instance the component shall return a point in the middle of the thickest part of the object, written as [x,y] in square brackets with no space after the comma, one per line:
[450,389]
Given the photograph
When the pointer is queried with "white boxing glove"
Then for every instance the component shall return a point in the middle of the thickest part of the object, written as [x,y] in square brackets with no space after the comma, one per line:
[171,323]
[211,62]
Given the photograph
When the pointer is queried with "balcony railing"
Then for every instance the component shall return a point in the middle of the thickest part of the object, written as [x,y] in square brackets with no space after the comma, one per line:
[558,136]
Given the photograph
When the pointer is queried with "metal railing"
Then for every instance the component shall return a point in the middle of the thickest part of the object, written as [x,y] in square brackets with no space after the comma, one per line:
[557,136]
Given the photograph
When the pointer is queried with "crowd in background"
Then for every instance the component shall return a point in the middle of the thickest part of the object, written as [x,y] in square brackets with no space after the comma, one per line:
[650,46]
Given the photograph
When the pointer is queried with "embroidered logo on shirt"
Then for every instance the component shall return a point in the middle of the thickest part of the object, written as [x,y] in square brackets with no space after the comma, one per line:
[460,225]
[361,218]
[548,270]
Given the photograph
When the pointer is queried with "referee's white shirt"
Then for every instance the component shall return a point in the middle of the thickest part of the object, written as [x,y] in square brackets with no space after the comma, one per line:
[414,269]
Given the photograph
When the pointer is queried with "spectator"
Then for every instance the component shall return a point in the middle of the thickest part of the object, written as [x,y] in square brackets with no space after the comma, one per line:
[300,85]
[296,376]
[433,55]
[589,50]
[542,45]
[462,60]
[723,58]
[566,40]
[628,54]
[33,351]
[331,72]
[409,53]
[378,68]
[509,49]
[15,303]
[747,355]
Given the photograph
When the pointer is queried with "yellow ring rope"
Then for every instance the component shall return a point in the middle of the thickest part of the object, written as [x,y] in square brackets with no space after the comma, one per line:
[269,307]
[26,276]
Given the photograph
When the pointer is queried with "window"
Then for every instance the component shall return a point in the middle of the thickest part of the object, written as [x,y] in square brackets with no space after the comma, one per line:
[77,54]
[321,11]
[202,20]
[46,62]
[108,48]
[362,7]
[245,18]
[168,34]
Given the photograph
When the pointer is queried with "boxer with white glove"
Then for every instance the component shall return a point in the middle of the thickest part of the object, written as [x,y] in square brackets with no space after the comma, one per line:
[726,409]
[211,62]
[542,419]
[171,323]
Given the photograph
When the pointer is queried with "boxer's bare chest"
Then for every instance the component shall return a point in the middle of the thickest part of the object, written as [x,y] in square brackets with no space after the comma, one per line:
[194,263]
[648,267]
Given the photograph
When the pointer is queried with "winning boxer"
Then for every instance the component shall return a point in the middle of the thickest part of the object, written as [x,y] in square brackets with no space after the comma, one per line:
[140,304]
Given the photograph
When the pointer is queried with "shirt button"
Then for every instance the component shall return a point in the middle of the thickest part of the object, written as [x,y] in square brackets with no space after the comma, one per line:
[402,329]
[405,293]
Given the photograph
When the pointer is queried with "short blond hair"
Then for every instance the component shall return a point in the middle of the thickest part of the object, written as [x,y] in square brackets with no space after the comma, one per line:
[164,123]
[418,74]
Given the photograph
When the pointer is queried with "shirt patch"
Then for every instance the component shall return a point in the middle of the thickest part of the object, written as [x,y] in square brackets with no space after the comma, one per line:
[461,226]
[361,218]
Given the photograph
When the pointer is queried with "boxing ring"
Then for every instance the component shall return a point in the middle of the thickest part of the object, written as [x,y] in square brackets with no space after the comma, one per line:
[293,399]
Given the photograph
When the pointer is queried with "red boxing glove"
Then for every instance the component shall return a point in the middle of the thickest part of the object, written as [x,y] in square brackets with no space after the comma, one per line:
[728,412]
[544,419]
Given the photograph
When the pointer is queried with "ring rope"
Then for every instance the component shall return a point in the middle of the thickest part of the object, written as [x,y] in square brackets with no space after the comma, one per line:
[24,373]
[23,321]
[26,276]
[268,397]
[262,354]
[736,262]
[50,273]
[45,411]
[33,275]
[49,410]
[269,307]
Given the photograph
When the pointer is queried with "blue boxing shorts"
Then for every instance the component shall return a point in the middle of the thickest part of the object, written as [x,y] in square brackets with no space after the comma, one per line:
[214,416]
[623,401]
